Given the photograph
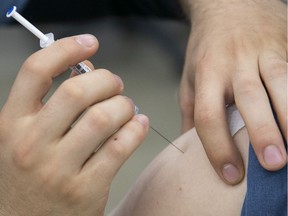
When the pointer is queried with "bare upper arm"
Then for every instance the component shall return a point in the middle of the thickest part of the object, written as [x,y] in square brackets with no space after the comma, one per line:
[185,184]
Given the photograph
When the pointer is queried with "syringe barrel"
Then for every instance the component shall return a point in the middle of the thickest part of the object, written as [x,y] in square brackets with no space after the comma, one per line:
[81,68]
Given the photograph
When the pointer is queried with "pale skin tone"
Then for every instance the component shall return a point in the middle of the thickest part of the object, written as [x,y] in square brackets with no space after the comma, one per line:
[185,184]
[237,53]
[47,160]
[236,50]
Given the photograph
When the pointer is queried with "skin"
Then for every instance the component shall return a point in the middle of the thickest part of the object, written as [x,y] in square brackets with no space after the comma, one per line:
[237,53]
[48,163]
[185,184]
[56,165]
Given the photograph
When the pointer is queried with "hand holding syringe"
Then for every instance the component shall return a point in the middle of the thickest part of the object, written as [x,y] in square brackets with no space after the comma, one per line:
[47,39]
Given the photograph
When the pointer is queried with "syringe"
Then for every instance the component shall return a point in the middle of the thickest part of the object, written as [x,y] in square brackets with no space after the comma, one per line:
[45,39]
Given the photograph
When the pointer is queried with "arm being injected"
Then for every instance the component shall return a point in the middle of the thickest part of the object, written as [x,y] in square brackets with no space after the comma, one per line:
[45,39]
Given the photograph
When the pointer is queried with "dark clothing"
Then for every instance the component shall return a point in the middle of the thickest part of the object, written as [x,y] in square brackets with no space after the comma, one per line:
[266,191]
[69,10]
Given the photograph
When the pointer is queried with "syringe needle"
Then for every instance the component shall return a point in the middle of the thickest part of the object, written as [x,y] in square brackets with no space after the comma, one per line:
[137,111]
[171,143]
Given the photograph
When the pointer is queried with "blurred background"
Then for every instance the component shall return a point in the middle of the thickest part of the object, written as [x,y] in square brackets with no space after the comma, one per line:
[147,53]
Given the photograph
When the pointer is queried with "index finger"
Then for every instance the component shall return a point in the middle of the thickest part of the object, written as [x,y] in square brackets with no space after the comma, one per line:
[37,73]
[212,128]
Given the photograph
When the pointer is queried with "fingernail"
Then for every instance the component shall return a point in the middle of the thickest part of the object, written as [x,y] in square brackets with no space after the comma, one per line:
[119,80]
[231,173]
[272,155]
[130,101]
[86,40]
[142,119]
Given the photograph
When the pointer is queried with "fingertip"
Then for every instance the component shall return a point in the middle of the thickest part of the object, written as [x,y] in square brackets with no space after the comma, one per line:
[231,174]
[87,40]
[142,119]
[273,158]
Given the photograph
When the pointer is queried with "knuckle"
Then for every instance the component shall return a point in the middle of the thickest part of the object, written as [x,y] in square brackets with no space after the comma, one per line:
[118,151]
[264,134]
[138,132]
[66,49]
[276,71]
[114,82]
[248,86]
[106,74]
[204,66]
[129,104]
[98,118]
[205,116]
[73,194]
[23,156]
[48,176]
[72,91]
[31,65]
[33,69]
[71,191]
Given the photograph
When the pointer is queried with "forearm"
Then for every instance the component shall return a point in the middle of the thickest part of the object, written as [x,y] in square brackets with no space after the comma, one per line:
[194,7]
